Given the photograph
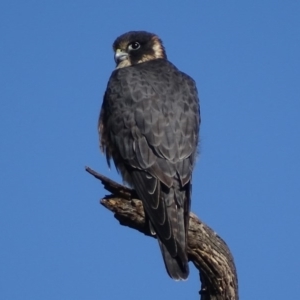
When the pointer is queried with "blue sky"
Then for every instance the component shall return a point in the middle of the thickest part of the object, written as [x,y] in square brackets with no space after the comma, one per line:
[56,241]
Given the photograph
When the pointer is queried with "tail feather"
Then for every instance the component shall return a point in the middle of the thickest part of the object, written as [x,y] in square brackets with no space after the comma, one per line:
[167,209]
[176,268]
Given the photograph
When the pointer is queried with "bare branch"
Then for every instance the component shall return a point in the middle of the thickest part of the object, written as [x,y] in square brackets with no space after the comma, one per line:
[206,249]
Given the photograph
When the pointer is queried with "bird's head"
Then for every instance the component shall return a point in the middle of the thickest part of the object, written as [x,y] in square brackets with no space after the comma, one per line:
[136,47]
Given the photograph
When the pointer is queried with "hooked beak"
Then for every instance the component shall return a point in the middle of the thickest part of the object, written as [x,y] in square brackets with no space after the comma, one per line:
[120,56]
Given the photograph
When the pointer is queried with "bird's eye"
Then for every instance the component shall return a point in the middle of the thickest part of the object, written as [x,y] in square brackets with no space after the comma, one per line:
[134,46]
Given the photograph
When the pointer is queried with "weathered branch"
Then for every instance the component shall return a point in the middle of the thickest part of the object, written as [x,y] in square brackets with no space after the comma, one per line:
[206,249]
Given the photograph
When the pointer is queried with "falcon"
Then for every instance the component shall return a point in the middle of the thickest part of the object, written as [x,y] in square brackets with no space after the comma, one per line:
[149,125]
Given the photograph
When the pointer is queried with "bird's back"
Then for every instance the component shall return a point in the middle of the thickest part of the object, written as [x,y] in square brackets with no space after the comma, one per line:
[149,125]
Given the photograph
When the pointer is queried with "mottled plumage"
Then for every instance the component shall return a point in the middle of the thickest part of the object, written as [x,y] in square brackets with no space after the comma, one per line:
[149,125]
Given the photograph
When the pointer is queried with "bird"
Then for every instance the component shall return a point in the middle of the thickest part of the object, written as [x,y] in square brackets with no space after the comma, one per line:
[149,126]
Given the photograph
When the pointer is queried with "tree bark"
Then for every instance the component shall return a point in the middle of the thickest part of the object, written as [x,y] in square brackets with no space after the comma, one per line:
[206,249]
